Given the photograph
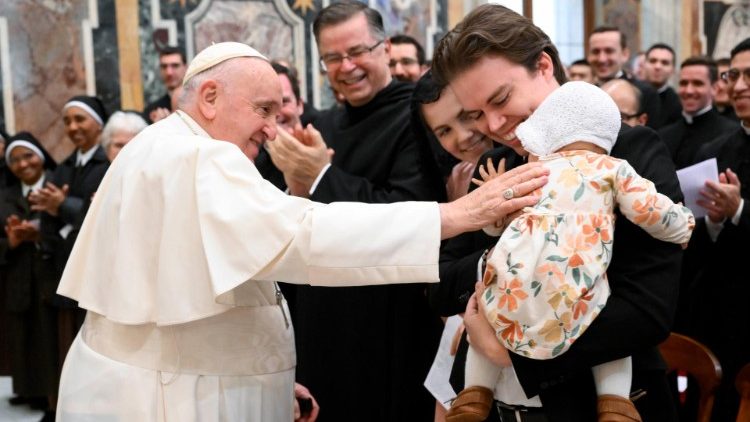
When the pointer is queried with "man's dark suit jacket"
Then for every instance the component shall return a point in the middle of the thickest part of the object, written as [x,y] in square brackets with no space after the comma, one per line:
[718,298]
[684,139]
[643,276]
[365,351]
[671,107]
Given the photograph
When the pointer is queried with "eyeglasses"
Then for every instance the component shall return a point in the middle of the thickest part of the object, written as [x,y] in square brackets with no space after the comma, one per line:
[404,61]
[335,59]
[733,74]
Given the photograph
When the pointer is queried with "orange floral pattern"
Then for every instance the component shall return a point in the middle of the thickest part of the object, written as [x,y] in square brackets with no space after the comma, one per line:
[544,298]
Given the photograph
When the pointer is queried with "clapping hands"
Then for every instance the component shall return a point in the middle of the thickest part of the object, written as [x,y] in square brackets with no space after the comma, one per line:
[301,155]
[721,200]
[19,231]
[48,198]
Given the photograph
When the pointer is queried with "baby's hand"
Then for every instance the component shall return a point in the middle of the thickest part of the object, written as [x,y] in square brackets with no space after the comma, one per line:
[488,171]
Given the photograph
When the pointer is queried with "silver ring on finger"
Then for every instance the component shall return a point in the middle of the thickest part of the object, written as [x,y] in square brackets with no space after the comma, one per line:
[509,194]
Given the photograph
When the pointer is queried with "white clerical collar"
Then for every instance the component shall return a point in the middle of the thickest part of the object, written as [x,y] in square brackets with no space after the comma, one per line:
[192,124]
[619,74]
[745,128]
[25,189]
[704,110]
[82,158]
[662,88]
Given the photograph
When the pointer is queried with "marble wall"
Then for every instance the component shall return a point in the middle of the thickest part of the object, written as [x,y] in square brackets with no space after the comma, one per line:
[47,65]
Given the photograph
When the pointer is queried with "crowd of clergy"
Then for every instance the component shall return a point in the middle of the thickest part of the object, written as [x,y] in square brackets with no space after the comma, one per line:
[366,351]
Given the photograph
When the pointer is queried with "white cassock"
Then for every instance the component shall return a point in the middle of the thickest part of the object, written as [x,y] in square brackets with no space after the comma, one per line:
[175,264]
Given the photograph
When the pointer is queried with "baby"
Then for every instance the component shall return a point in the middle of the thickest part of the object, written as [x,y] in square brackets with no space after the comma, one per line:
[546,280]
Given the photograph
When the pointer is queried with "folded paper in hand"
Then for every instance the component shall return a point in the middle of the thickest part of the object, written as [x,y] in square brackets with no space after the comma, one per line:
[693,180]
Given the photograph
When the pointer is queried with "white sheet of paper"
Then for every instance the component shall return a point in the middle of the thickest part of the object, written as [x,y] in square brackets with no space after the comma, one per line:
[692,181]
[437,379]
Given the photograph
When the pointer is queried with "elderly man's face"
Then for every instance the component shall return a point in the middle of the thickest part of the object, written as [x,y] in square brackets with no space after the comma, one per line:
[606,56]
[361,77]
[695,88]
[247,104]
[500,94]
[404,64]
[291,106]
[172,70]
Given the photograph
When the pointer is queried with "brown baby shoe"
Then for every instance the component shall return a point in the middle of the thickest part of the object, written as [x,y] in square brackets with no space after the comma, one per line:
[471,405]
[611,408]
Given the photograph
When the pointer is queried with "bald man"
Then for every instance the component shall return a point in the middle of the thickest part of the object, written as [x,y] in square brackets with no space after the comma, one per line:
[176,259]
[628,99]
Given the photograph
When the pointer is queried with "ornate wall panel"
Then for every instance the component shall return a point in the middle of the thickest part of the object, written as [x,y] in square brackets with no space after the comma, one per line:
[45,63]
[51,50]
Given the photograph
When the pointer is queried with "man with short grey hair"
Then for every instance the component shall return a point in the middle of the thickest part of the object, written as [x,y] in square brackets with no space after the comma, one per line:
[391,329]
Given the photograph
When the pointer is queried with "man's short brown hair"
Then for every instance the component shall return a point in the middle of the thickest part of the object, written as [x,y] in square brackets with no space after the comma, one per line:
[609,28]
[493,30]
[707,62]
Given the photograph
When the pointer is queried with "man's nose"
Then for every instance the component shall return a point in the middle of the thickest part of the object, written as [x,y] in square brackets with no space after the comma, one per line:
[270,131]
[347,64]
[740,85]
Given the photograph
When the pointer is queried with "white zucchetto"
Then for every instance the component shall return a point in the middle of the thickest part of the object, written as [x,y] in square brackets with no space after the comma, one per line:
[218,53]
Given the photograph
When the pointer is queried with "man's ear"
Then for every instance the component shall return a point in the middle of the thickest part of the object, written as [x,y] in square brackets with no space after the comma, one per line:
[545,66]
[643,119]
[208,92]
[714,89]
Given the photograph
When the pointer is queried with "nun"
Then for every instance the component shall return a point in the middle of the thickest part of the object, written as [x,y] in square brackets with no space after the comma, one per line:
[66,197]
[31,325]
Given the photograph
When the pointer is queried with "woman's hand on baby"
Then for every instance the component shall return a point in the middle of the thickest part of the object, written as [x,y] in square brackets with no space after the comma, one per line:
[459,180]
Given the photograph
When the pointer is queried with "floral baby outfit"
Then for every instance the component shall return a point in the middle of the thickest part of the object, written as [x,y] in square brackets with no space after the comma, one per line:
[546,279]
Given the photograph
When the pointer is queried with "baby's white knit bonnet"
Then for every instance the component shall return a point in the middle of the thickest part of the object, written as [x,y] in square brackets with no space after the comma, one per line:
[577,111]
